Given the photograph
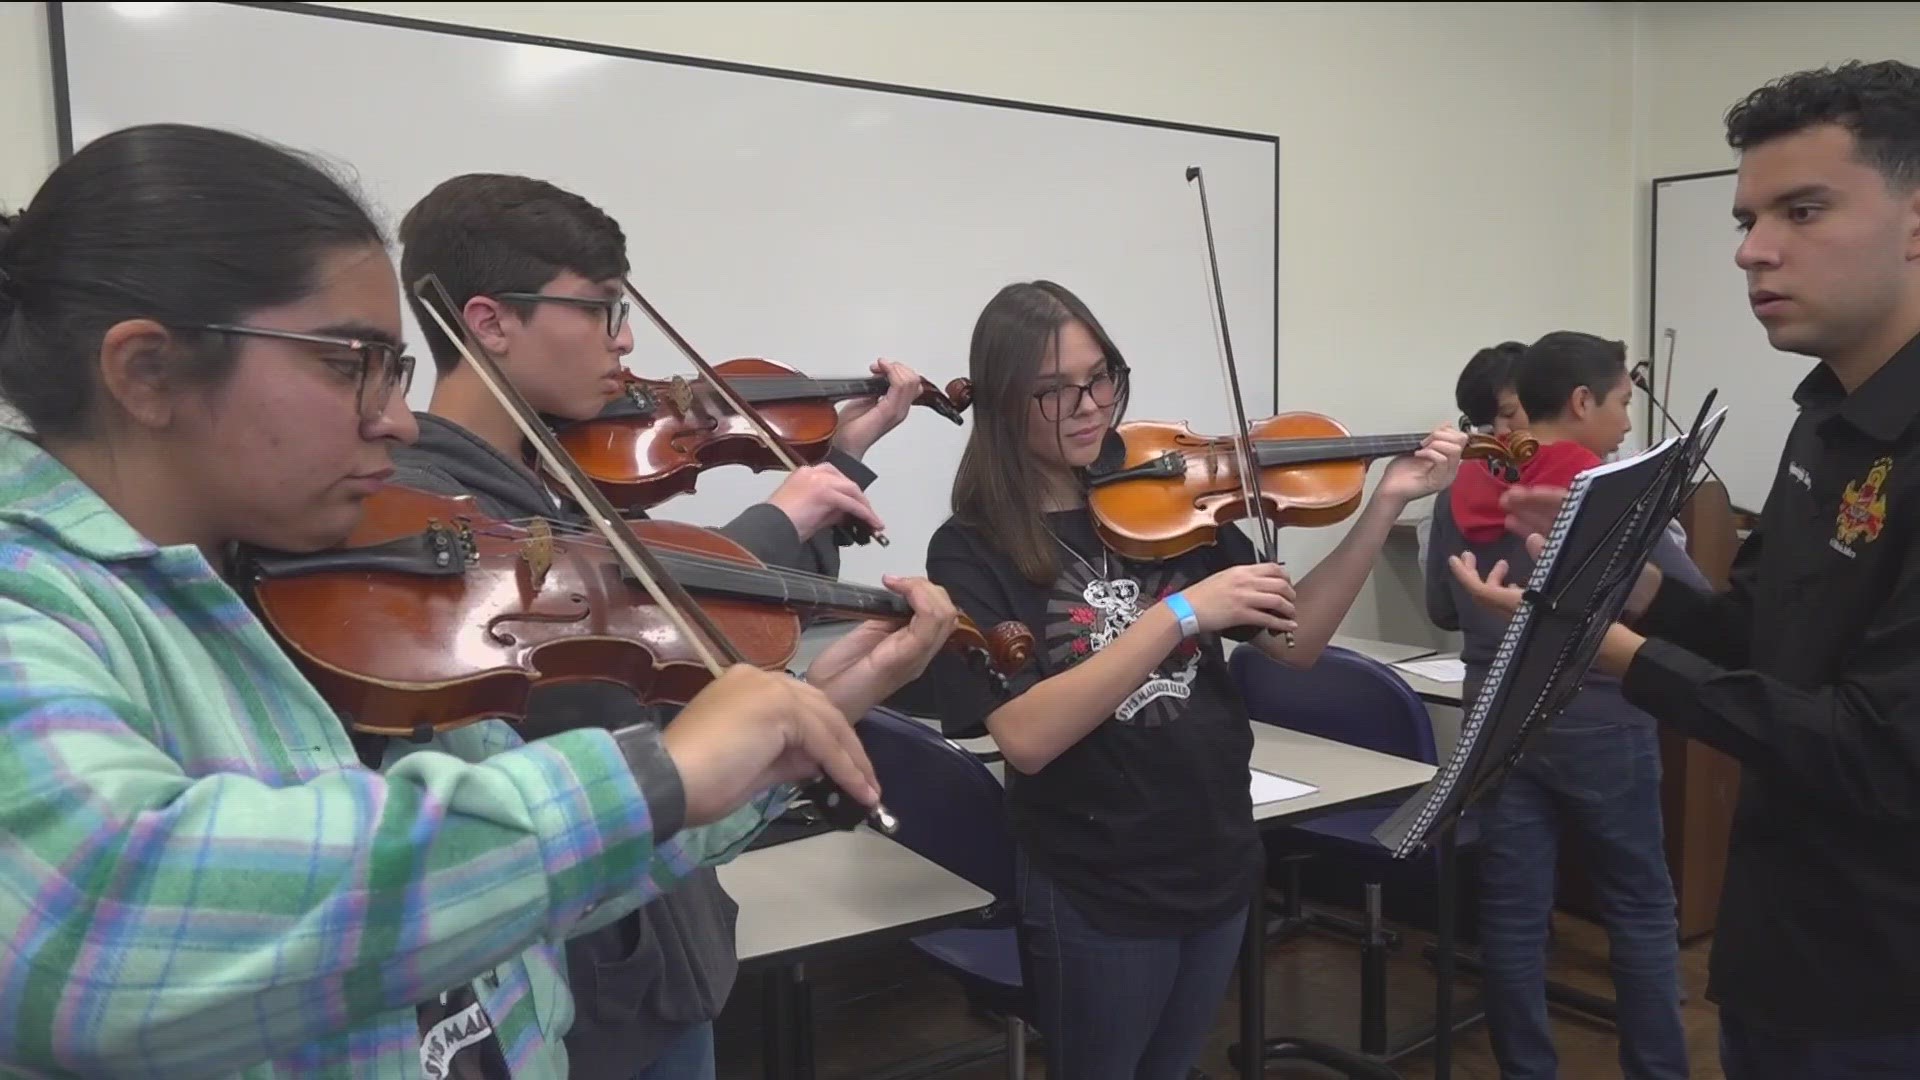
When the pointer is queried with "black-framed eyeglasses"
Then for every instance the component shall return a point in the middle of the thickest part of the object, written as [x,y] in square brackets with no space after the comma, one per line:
[380,367]
[1064,400]
[615,307]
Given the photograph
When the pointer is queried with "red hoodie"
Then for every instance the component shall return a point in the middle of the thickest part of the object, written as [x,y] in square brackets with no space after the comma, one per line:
[1475,498]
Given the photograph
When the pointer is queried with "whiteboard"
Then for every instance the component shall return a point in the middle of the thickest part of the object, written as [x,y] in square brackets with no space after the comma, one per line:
[817,222]
[1701,296]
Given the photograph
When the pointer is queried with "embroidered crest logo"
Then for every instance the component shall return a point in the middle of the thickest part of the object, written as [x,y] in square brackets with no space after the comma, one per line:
[1863,508]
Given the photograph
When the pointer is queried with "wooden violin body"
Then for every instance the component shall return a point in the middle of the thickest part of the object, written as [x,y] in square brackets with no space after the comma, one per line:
[653,441]
[1175,488]
[434,616]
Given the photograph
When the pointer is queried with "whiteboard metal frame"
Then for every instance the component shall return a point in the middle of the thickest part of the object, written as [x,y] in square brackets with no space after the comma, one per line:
[1654,362]
[63,110]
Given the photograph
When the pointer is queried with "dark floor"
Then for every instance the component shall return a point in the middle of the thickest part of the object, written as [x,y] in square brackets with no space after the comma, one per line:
[888,1006]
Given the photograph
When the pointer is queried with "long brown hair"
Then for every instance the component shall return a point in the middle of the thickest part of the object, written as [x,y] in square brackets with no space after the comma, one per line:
[993,490]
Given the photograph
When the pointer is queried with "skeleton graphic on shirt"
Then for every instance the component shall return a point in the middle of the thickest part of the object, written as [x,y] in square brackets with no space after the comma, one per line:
[1087,613]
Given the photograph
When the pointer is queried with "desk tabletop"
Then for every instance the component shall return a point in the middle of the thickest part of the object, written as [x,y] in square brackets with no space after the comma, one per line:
[1387,652]
[840,889]
[1445,693]
[1346,775]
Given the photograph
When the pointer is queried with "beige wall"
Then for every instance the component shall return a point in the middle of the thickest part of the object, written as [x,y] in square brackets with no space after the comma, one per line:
[1692,61]
[1451,174]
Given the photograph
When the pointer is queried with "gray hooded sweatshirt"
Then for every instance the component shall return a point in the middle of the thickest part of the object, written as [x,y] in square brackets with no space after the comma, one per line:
[641,982]
[1452,608]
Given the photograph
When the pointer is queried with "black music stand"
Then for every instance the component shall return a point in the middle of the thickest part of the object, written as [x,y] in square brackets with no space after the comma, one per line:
[1606,530]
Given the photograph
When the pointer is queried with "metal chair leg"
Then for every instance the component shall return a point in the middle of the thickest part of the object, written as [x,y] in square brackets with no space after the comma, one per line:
[1016,1048]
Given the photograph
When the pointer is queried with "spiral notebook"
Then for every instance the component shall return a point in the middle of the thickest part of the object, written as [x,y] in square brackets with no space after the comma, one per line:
[1613,516]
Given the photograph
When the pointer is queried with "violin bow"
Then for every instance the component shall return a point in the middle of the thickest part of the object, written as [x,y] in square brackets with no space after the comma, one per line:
[853,531]
[716,652]
[1268,544]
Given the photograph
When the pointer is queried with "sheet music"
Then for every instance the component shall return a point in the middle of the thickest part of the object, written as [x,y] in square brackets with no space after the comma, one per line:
[1446,669]
[1606,529]
[1272,788]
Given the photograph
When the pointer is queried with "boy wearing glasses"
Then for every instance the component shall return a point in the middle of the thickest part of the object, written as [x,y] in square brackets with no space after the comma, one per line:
[537,273]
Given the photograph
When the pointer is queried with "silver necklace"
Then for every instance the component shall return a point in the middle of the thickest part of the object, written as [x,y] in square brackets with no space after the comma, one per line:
[1105,573]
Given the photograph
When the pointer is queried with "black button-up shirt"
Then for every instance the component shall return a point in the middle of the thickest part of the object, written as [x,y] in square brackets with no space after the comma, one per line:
[1808,673]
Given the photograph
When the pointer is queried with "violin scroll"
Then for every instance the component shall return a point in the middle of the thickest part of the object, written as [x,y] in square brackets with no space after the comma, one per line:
[1516,449]
[956,399]
[998,653]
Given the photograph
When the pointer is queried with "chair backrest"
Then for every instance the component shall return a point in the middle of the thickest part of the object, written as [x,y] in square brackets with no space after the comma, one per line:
[1344,696]
[952,810]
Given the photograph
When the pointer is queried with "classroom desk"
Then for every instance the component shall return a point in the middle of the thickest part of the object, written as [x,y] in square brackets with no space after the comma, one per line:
[1440,693]
[839,891]
[1347,777]
[1387,652]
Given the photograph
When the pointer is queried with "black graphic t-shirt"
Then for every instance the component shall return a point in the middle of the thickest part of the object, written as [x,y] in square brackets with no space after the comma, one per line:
[457,1040]
[1146,823]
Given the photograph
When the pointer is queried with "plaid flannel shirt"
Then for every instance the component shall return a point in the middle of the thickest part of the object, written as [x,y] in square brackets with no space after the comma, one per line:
[199,878]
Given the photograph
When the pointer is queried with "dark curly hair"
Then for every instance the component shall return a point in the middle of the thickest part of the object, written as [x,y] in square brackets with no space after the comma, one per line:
[1878,102]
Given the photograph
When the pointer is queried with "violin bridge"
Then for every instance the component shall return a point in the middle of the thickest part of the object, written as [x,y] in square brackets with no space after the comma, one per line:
[538,553]
[1215,462]
[682,394]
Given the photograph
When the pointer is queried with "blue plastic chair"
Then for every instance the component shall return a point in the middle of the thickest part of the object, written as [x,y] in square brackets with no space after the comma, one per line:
[1345,697]
[1354,699]
[952,812]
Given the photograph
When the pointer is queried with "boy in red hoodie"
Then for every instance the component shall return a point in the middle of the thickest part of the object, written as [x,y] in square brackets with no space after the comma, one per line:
[1594,771]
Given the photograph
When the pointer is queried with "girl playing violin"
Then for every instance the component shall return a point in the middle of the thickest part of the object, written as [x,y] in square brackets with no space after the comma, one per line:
[1127,747]
[202,332]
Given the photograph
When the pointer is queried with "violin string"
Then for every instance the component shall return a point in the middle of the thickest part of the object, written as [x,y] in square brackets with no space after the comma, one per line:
[586,539]
[718,575]
[820,588]
[568,529]
[1288,451]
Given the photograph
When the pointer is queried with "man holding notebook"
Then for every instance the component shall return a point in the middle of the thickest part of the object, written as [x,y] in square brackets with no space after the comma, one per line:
[1807,670]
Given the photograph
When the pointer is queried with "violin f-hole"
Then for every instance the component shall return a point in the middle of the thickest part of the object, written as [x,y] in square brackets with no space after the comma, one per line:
[502,637]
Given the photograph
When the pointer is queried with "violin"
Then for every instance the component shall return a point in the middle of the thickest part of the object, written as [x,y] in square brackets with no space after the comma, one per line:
[425,624]
[658,447]
[1174,489]
[433,616]
[653,441]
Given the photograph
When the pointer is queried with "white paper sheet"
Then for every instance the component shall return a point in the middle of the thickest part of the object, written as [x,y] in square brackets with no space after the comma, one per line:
[1447,669]
[1270,788]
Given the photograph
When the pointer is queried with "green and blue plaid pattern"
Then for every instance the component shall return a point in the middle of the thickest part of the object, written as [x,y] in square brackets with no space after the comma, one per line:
[198,877]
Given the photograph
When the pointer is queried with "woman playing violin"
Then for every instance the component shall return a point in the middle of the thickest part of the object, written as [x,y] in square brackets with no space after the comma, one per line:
[1127,748]
[202,332]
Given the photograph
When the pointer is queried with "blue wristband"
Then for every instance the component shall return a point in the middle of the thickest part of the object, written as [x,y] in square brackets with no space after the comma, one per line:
[1189,622]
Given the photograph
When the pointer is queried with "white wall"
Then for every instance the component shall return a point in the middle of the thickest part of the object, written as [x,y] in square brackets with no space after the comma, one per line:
[27,146]
[1451,174]
[1694,60]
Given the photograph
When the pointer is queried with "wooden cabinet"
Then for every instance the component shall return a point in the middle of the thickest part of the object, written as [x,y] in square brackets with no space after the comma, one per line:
[1697,797]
